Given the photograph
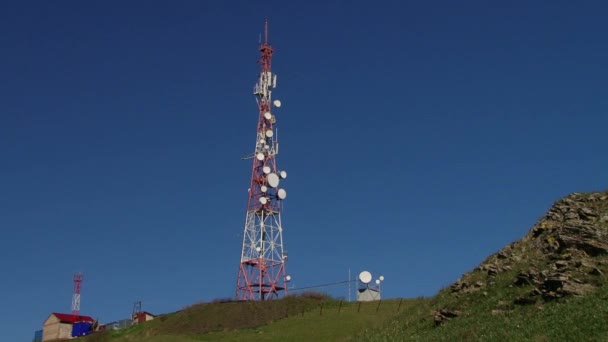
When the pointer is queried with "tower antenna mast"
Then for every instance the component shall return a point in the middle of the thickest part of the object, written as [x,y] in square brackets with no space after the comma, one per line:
[78,277]
[262,273]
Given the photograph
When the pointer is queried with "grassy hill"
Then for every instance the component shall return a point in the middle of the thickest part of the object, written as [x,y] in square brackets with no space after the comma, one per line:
[548,286]
[300,318]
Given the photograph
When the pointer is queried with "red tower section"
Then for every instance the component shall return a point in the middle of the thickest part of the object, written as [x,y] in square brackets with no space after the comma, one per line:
[262,273]
[78,277]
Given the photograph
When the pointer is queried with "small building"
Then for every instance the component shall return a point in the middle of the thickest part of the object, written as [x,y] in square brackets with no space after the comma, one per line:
[38,336]
[368,294]
[117,325]
[59,326]
[142,316]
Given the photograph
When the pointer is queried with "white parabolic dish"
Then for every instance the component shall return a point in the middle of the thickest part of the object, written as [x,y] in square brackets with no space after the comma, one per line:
[365,277]
[282,194]
[283,174]
[267,115]
[273,180]
[263,200]
[260,156]
[269,133]
[266,169]
[263,188]
[276,103]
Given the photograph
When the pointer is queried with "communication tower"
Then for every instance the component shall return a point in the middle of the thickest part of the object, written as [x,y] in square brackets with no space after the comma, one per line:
[78,277]
[262,273]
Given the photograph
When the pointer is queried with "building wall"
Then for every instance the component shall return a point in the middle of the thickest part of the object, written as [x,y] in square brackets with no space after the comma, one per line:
[367,295]
[141,317]
[50,329]
[65,330]
[53,329]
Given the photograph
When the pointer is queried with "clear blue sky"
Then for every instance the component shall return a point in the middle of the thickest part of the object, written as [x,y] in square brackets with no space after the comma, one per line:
[419,137]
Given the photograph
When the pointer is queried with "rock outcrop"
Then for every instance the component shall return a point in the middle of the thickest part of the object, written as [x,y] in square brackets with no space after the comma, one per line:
[562,255]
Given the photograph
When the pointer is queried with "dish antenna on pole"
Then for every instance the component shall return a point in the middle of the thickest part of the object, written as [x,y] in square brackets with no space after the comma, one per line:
[365,277]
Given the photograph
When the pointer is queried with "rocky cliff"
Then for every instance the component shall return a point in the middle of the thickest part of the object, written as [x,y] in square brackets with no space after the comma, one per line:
[564,254]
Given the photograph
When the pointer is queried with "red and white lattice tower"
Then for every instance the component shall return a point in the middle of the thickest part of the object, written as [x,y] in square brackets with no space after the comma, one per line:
[262,272]
[76,296]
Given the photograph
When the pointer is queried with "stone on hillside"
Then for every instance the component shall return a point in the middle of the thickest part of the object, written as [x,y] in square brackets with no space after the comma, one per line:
[586,213]
[492,270]
[443,315]
[527,278]
[571,215]
[555,282]
[502,255]
[583,236]
[524,300]
[596,271]
[497,312]
[574,289]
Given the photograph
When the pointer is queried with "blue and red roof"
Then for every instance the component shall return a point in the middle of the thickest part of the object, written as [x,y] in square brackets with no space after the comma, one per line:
[69,318]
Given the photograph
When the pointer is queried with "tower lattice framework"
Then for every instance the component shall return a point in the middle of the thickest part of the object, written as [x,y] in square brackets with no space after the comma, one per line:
[78,277]
[262,273]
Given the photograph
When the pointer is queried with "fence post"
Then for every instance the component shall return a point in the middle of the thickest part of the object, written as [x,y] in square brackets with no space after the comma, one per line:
[400,301]
[378,307]
[359,308]
[321,310]
[340,307]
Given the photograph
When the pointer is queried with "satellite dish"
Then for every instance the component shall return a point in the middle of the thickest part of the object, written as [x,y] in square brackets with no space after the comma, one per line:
[377,281]
[273,180]
[258,249]
[282,194]
[263,200]
[260,156]
[381,278]
[267,115]
[263,188]
[276,103]
[266,169]
[365,277]
[269,133]
[266,147]
[283,174]
[288,278]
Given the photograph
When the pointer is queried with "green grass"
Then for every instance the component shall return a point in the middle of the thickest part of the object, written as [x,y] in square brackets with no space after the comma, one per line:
[582,318]
[293,319]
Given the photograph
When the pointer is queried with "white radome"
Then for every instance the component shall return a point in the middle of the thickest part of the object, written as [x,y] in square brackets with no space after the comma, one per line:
[266,169]
[263,200]
[365,277]
[269,133]
[276,103]
[273,180]
[282,194]
[267,115]
[260,156]
[283,174]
